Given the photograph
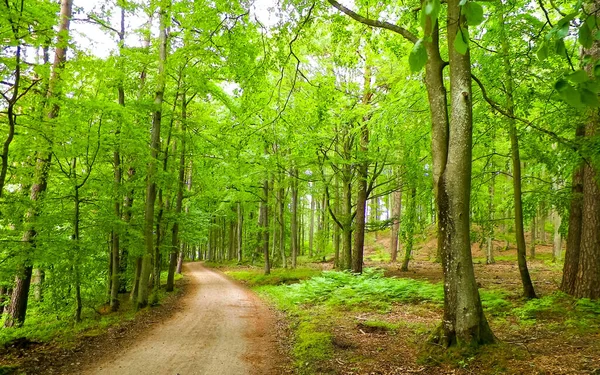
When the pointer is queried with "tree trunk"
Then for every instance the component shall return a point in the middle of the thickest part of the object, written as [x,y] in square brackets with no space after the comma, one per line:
[39,277]
[573,251]
[464,323]
[264,208]
[528,290]
[556,238]
[240,222]
[294,219]
[533,239]
[587,282]
[18,305]
[142,298]
[411,217]
[395,232]
[281,214]
[363,171]
[311,230]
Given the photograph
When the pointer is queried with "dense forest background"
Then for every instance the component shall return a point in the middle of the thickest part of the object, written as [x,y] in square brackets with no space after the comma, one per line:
[210,130]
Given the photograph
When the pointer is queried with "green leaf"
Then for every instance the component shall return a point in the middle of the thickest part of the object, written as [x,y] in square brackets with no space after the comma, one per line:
[560,85]
[585,36]
[597,70]
[542,52]
[562,30]
[597,35]
[578,76]
[593,86]
[589,98]
[560,48]
[592,22]
[568,93]
[461,41]
[474,13]
[430,9]
[418,56]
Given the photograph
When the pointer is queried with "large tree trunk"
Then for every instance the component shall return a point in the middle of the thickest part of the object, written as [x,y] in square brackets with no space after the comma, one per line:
[464,323]
[142,298]
[18,305]
[587,282]
[581,275]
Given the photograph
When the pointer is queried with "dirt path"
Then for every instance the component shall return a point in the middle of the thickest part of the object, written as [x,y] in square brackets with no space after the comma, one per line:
[222,329]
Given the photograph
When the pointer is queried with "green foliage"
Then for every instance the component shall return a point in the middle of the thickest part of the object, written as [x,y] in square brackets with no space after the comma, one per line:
[494,301]
[461,41]
[418,56]
[371,290]
[257,278]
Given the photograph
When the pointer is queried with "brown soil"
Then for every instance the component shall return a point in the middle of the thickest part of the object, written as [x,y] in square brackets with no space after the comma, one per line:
[222,328]
[212,326]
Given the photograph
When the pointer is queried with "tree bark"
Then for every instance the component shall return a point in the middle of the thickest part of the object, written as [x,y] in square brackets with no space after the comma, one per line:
[264,208]
[142,298]
[240,223]
[411,217]
[175,242]
[395,232]
[464,323]
[556,237]
[294,218]
[528,290]
[362,175]
[18,305]
[311,230]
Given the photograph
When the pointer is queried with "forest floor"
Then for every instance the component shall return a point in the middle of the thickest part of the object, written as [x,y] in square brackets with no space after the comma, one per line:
[221,328]
[329,335]
[214,326]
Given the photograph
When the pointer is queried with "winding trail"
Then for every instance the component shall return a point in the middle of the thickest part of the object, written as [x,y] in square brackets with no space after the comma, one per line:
[222,329]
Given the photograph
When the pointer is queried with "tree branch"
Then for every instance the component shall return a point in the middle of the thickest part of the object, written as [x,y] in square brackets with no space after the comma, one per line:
[375,23]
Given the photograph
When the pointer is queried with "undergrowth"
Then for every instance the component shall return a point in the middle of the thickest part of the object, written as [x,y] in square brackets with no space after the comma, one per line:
[60,328]
[256,277]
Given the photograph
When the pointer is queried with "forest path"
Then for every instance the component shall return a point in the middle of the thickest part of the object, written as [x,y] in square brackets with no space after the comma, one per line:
[222,329]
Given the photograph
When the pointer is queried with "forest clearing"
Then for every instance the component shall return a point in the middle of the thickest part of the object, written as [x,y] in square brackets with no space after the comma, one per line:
[395,187]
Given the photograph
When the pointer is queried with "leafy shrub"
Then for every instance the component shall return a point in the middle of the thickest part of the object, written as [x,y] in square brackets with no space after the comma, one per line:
[343,289]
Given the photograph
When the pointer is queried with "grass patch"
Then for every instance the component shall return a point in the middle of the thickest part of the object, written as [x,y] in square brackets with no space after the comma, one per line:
[165,274]
[257,278]
[378,326]
[582,315]
[312,345]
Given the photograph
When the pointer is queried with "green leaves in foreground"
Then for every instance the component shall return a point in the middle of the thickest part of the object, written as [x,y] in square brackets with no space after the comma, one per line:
[418,56]
[578,90]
